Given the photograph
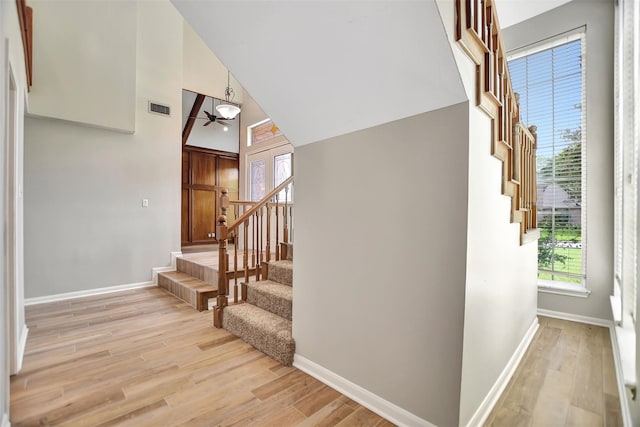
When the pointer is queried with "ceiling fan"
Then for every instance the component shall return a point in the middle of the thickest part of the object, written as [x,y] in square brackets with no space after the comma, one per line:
[212,118]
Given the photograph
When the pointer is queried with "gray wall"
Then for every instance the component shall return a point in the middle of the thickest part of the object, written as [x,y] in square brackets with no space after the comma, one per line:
[85,226]
[501,291]
[381,229]
[598,16]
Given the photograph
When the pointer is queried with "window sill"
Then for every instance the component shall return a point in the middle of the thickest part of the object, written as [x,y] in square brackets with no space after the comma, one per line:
[566,289]
[625,338]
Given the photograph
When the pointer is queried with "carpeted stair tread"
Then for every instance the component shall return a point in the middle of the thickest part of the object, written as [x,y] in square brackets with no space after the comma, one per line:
[281,272]
[266,331]
[271,296]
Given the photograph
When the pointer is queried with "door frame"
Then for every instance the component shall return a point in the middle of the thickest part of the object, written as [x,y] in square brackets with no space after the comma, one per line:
[12,189]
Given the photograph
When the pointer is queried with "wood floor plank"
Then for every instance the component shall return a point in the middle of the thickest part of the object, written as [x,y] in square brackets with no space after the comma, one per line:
[578,417]
[361,417]
[568,374]
[312,403]
[329,415]
[143,358]
[612,411]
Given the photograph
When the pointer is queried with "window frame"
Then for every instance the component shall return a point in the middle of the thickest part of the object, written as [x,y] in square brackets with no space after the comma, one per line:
[556,286]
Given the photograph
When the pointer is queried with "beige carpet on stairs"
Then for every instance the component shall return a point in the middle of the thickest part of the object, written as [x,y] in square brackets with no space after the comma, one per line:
[264,321]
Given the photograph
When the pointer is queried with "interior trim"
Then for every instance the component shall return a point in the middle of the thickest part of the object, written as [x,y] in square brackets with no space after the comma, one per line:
[375,403]
[87,293]
[485,408]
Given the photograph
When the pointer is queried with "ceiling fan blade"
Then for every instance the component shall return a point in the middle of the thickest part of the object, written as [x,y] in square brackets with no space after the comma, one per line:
[223,123]
[208,123]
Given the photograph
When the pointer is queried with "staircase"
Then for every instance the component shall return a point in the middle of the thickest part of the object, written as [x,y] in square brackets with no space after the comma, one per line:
[264,319]
[260,311]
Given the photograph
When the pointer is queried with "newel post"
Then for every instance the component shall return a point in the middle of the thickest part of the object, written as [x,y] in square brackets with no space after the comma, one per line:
[221,235]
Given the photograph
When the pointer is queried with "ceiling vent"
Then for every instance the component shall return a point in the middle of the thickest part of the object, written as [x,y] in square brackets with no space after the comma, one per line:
[156,108]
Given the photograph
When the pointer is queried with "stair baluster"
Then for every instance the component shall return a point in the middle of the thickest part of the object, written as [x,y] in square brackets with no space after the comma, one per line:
[478,33]
[255,218]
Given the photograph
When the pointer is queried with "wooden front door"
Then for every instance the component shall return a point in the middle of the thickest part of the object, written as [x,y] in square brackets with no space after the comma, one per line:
[204,174]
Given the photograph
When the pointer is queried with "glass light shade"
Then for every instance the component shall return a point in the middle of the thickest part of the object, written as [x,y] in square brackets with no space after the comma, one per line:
[228,111]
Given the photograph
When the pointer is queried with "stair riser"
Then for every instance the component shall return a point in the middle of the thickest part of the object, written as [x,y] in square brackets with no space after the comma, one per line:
[281,274]
[280,306]
[202,272]
[197,300]
[278,346]
[287,251]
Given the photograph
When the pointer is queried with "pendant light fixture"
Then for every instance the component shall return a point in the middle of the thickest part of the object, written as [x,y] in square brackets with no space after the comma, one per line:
[228,110]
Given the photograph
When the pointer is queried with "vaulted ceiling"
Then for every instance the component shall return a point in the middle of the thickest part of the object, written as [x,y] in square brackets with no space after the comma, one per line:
[511,12]
[325,68]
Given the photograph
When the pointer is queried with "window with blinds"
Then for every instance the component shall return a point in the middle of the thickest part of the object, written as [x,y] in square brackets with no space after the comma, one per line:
[550,81]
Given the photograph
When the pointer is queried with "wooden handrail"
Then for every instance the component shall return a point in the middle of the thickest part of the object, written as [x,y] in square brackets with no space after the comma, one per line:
[253,221]
[266,199]
[478,33]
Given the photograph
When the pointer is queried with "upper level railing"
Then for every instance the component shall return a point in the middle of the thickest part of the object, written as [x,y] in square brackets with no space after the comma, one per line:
[478,33]
[258,234]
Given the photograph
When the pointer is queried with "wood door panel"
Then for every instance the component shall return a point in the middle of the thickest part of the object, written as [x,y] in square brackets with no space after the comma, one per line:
[204,173]
[185,168]
[228,178]
[185,216]
[203,168]
[203,215]
[228,174]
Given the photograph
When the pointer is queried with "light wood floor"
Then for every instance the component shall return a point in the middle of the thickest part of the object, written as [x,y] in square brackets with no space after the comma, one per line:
[144,358]
[566,378]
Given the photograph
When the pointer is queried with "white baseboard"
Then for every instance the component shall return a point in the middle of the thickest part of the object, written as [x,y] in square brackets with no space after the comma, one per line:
[175,255]
[5,421]
[575,318]
[375,403]
[485,408]
[21,348]
[171,267]
[87,293]
[156,270]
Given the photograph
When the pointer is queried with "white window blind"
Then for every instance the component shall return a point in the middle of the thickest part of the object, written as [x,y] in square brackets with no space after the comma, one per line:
[550,82]
[627,87]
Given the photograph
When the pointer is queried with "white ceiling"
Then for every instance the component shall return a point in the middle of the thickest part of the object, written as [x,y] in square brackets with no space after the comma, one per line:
[511,12]
[325,68]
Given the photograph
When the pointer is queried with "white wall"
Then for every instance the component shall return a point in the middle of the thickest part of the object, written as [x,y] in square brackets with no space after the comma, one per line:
[250,115]
[202,70]
[501,293]
[85,226]
[375,53]
[598,17]
[85,61]
[381,232]
[500,296]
